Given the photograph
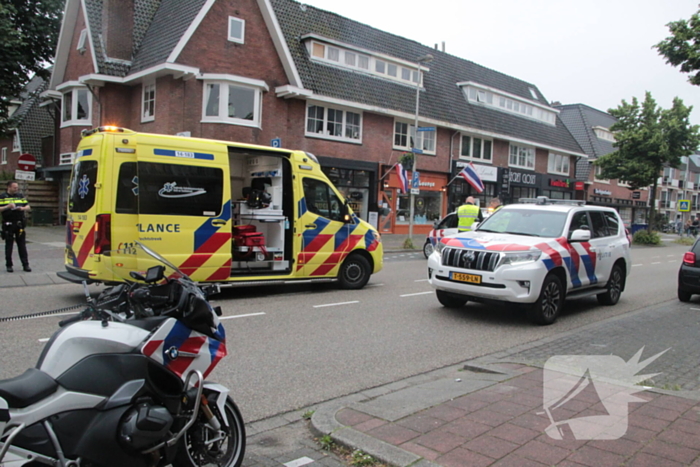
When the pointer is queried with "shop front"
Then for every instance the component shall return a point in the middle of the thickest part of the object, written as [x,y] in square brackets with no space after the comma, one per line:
[357,181]
[521,184]
[459,189]
[394,206]
[632,210]
[555,187]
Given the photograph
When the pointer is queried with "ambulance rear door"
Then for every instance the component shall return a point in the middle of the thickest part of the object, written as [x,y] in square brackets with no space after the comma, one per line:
[183,203]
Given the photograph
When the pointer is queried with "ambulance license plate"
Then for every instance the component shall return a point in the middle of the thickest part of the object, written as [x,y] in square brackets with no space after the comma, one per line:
[471,278]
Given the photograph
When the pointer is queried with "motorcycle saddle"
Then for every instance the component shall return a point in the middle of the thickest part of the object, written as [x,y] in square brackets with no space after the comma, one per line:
[27,388]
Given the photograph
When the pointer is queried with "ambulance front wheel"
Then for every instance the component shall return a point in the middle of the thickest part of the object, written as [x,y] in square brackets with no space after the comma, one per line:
[354,273]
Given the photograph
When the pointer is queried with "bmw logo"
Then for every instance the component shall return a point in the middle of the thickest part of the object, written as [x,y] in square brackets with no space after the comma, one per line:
[172,353]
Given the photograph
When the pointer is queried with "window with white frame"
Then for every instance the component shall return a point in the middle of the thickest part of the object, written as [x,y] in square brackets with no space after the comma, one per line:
[522,156]
[15,143]
[81,41]
[603,133]
[337,55]
[148,102]
[597,175]
[230,101]
[505,102]
[76,104]
[66,158]
[476,147]
[405,133]
[333,123]
[4,156]
[236,30]
[558,164]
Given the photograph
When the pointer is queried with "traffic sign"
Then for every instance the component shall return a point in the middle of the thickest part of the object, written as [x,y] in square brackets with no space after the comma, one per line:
[684,205]
[415,191]
[26,162]
[24,175]
[415,183]
[276,142]
[416,151]
[426,128]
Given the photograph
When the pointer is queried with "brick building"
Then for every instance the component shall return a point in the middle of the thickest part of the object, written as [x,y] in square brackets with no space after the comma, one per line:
[263,70]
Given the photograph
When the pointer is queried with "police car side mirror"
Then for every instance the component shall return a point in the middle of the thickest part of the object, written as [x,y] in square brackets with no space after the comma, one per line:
[580,235]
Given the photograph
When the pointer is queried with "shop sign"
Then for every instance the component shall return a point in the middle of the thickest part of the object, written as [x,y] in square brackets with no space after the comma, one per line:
[636,195]
[578,186]
[487,173]
[598,191]
[428,184]
[559,183]
[523,178]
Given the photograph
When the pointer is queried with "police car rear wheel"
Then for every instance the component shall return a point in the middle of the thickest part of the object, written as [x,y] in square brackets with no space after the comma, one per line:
[354,273]
[449,300]
[428,249]
[548,305]
[684,296]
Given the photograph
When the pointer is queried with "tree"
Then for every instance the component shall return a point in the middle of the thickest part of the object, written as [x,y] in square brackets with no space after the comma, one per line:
[28,34]
[682,47]
[647,138]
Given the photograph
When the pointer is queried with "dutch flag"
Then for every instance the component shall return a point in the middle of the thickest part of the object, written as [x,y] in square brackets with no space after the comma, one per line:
[469,174]
[403,178]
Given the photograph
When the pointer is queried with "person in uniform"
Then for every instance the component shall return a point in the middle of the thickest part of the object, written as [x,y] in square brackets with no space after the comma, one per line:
[495,205]
[468,213]
[13,205]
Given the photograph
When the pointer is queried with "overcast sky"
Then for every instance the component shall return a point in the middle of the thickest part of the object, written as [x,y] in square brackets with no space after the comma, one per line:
[594,52]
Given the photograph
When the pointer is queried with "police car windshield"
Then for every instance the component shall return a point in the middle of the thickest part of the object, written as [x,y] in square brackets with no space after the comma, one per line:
[525,222]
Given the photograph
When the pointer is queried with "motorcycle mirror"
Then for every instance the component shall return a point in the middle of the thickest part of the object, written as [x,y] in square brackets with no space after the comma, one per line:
[137,276]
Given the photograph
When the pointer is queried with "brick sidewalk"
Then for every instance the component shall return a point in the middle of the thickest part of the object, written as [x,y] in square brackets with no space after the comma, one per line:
[504,425]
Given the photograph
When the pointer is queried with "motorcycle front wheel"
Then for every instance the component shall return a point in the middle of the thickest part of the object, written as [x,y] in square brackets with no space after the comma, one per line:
[201,446]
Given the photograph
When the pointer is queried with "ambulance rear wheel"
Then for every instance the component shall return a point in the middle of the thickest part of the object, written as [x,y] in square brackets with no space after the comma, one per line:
[354,272]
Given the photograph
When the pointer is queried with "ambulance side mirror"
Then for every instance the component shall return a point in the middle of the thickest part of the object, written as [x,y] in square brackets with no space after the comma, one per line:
[347,218]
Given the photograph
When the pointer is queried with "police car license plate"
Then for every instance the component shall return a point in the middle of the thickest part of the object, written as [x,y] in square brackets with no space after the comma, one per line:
[471,278]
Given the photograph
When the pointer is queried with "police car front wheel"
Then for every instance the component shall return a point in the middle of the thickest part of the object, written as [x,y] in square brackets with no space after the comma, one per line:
[548,305]
[450,300]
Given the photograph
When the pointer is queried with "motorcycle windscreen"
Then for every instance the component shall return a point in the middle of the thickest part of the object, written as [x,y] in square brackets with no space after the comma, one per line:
[178,210]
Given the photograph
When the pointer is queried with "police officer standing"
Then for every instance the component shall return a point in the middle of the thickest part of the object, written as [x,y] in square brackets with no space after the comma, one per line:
[495,205]
[13,205]
[468,213]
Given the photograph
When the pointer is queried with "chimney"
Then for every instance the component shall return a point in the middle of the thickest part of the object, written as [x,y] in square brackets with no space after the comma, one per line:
[118,28]
[443,46]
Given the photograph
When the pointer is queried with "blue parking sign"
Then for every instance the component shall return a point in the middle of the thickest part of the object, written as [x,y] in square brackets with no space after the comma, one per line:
[416,180]
[276,143]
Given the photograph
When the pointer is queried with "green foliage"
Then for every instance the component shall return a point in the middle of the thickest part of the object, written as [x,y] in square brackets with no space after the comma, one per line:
[406,160]
[646,237]
[682,47]
[326,442]
[28,34]
[361,459]
[684,241]
[408,244]
[307,415]
[647,139]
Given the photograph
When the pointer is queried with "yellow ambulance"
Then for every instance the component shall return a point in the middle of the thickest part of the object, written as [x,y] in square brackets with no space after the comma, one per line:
[223,212]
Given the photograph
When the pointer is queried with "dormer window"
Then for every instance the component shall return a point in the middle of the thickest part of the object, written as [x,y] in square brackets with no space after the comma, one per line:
[351,57]
[505,102]
[603,133]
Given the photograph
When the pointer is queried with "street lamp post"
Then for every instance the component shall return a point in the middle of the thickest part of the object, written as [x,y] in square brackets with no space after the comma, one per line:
[422,59]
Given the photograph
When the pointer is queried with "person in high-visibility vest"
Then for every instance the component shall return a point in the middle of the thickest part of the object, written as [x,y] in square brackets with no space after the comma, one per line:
[495,205]
[468,213]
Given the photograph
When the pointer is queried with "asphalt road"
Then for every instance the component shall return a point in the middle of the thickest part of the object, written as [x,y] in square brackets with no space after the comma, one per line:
[292,347]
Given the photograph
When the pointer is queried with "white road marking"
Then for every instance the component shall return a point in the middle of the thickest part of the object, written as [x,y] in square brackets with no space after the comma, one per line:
[374,285]
[421,280]
[672,261]
[413,294]
[657,256]
[299,462]
[44,339]
[635,265]
[696,309]
[241,316]
[657,262]
[669,255]
[336,304]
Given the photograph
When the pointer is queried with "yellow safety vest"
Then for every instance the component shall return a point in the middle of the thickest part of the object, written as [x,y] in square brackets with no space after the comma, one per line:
[467,214]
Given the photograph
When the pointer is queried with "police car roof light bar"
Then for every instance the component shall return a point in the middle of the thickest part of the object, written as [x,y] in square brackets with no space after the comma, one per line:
[541,200]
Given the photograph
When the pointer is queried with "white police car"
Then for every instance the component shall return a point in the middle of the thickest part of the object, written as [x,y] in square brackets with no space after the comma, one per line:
[539,253]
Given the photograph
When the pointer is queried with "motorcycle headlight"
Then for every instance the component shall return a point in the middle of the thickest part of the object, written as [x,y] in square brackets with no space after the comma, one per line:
[521,257]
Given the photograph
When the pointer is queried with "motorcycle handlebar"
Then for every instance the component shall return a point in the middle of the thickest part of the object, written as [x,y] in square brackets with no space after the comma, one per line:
[72,319]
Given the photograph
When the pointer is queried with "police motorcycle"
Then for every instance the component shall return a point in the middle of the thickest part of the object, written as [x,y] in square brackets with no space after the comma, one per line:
[123,383]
